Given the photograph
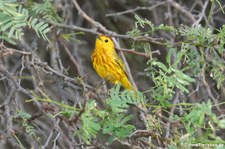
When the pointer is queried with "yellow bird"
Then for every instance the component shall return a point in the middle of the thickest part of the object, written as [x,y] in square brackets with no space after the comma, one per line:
[108,64]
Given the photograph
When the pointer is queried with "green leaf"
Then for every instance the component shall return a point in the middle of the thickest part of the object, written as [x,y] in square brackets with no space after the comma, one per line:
[222,123]
[7,25]
[160,65]
[111,138]
[182,75]
[125,131]
[169,54]
[147,48]
[12,29]
[182,81]
[126,119]
[176,83]
[107,129]
[8,39]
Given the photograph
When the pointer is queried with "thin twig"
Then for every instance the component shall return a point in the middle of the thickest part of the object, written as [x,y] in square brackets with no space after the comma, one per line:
[175,100]
[55,140]
[111,33]
[71,58]
[135,9]
[182,10]
[76,28]
[138,53]
[11,51]
[202,14]
[158,41]
[48,140]
[89,19]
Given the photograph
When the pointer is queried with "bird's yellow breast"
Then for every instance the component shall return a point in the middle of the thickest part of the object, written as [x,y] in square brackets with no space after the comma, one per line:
[107,63]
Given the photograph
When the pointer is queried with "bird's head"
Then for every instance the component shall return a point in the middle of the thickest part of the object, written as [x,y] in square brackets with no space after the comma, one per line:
[103,41]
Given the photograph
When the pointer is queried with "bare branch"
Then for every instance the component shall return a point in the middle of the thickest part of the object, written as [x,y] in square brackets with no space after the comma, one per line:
[135,9]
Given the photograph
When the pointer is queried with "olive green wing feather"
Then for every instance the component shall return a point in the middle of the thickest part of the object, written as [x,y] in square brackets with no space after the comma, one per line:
[121,64]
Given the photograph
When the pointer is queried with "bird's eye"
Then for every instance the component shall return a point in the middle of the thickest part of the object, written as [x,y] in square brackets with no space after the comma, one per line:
[106,40]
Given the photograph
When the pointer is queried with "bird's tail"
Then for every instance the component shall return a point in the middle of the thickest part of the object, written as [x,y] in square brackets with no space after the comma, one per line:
[127,85]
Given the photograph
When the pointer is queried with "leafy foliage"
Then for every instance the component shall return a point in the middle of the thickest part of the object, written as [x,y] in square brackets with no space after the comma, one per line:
[119,102]
[90,124]
[113,121]
[25,124]
[45,11]
[166,80]
[199,52]
[15,17]
[201,118]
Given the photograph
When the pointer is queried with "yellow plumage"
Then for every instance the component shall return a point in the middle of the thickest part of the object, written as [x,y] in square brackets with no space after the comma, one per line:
[108,64]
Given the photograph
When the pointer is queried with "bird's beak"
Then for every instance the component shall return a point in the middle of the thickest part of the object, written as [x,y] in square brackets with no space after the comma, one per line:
[98,37]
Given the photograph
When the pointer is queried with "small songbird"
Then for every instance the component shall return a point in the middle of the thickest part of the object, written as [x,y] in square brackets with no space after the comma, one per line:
[108,64]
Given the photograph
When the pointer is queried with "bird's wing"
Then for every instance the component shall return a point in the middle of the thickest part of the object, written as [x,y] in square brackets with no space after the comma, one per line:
[121,64]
